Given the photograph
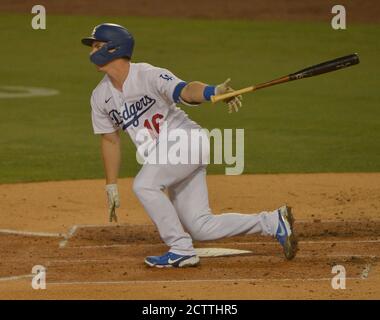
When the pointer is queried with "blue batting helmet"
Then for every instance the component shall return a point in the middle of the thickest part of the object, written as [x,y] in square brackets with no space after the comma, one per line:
[116,37]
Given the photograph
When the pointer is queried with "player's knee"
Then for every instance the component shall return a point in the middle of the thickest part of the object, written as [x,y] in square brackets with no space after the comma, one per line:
[138,187]
[196,235]
[141,187]
[199,232]
[199,235]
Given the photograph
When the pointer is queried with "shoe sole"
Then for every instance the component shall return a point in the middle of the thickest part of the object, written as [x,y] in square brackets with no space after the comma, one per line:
[191,262]
[291,244]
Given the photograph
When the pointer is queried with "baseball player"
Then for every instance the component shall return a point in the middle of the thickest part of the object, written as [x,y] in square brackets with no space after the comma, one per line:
[138,96]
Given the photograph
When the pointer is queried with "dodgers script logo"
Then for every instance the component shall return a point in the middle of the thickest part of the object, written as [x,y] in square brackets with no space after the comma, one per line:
[132,112]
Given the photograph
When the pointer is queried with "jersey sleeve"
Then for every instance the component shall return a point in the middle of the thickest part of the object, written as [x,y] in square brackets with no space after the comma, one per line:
[101,121]
[166,83]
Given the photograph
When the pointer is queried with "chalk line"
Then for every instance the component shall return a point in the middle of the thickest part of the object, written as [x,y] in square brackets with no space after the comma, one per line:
[234,243]
[10,278]
[71,232]
[365,272]
[79,261]
[194,281]
[31,233]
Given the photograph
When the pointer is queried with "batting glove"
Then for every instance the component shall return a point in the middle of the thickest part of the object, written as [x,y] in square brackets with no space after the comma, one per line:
[233,103]
[113,200]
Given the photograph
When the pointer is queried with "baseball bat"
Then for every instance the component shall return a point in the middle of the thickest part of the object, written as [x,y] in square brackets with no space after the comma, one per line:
[324,67]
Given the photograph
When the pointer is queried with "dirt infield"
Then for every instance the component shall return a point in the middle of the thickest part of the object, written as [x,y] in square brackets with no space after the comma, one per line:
[337,224]
[306,10]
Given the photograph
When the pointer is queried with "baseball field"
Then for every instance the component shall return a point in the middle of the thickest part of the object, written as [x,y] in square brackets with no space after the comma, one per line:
[313,143]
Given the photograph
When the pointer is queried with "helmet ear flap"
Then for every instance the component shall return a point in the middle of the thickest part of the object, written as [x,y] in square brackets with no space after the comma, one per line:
[104,55]
[110,45]
[101,57]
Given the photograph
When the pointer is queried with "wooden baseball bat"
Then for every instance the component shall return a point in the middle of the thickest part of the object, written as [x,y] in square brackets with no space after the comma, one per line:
[324,67]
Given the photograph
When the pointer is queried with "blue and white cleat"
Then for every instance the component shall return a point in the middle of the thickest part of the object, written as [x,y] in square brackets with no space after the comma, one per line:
[285,232]
[171,259]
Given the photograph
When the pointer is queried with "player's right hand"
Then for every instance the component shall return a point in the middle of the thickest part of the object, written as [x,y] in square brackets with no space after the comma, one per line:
[113,201]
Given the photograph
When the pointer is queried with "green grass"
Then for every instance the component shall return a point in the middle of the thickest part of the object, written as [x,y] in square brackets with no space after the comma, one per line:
[325,124]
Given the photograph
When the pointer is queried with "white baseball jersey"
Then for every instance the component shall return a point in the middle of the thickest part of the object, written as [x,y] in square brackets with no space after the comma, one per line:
[149,97]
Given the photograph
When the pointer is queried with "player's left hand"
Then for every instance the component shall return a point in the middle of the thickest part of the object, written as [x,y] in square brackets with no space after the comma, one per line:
[113,200]
[233,103]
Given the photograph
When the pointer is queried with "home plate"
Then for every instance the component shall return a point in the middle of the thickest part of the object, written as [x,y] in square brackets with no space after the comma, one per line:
[219,252]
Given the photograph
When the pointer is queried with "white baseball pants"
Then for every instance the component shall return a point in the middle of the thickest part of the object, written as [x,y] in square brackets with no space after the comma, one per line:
[185,215]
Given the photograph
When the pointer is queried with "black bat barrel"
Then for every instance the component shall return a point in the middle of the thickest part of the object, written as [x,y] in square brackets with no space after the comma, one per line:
[328,66]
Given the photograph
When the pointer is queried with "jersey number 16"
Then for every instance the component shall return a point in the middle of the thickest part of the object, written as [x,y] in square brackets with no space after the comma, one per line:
[155,122]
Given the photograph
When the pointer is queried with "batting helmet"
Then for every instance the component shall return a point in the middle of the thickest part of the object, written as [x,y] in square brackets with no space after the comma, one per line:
[116,37]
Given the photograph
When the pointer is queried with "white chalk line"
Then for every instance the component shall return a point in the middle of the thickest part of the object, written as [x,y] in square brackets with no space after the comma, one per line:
[363,276]
[66,236]
[25,92]
[339,241]
[310,221]
[228,243]
[369,256]
[81,226]
[75,228]
[365,272]
[79,261]
[31,233]
[321,221]
[12,278]
[137,282]
[71,232]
